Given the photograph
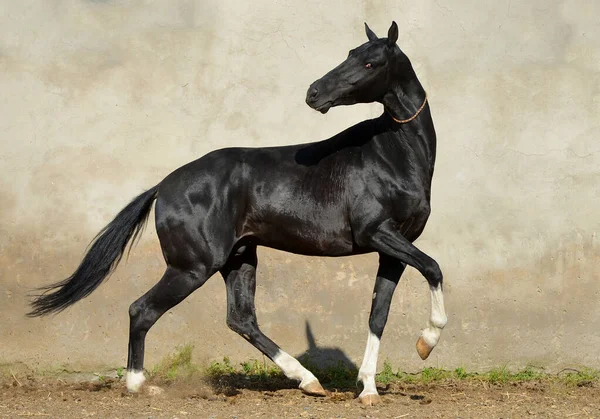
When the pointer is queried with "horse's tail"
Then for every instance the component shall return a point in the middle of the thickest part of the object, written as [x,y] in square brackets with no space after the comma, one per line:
[100,260]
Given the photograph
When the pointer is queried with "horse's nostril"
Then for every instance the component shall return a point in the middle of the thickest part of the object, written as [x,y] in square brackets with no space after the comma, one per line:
[311,95]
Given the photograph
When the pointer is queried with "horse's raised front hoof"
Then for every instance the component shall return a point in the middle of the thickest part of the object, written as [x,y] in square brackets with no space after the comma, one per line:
[423,348]
[369,399]
[313,388]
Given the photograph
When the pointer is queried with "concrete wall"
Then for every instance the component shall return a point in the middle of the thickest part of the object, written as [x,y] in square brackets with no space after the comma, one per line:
[102,99]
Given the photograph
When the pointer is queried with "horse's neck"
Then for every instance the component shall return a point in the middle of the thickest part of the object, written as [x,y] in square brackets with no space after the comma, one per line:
[418,134]
[424,132]
[403,103]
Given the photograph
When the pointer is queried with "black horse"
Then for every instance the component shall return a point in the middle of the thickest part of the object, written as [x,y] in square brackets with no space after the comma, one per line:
[366,189]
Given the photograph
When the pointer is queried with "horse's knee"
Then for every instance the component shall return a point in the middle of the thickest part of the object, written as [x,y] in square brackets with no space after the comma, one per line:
[244,328]
[134,309]
[433,274]
[233,325]
[141,318]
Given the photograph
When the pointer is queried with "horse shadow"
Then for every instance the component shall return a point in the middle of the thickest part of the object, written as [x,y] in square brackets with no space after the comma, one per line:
[334,369]
[323,358]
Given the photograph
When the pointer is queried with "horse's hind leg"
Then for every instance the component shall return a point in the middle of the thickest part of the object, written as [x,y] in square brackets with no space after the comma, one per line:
[388,275]
[239,274]
[172,289]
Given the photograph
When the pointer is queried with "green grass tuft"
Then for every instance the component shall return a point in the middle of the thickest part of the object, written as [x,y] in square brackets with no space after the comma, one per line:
[497,375]
[503,375]
[260,370]
[337,376]
[585,377]
[528,374]
[430,374]
[216,368]
[461,374]
[176,365]
[500,375]
[387,375]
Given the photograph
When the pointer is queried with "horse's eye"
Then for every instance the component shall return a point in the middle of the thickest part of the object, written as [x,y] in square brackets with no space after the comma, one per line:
[368,65]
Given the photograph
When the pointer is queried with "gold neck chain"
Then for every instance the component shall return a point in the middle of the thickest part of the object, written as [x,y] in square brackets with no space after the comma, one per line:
[404,121]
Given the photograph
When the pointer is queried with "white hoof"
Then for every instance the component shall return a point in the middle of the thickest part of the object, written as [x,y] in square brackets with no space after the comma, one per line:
[313,388]
[369,399]
[135,379]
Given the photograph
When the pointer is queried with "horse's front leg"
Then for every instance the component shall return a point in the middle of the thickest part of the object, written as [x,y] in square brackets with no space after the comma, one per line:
[388,240]
[388,275]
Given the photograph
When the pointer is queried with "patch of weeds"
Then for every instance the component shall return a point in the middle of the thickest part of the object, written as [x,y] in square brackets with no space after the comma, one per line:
[408,378]
[176,365]
[120,373]
[461,374]
[255,374]
[216,369]
[225,378]
[498,375]
[502,375]
[431,374]
[586,377]
[252,369]
[387,375]
[339,376]
[528,374]
[260,370]
[427,375]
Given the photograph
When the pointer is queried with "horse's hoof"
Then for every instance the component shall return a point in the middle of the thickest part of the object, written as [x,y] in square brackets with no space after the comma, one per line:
[154,390]
[370,399]
[423,348]
[314,388]
[135,380]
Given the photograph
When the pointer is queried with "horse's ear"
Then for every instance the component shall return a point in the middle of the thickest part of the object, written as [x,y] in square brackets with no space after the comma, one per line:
[370,34]
[393,34]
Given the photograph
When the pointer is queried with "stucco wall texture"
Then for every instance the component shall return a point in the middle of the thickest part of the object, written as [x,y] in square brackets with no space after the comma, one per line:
[102,99]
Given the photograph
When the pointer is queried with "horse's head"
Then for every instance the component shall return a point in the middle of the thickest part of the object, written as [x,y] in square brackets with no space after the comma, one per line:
[364,77]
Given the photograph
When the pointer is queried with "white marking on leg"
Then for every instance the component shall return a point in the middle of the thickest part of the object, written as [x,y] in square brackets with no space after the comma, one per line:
[367,371]
[438,319]
[293,369]
[134,380]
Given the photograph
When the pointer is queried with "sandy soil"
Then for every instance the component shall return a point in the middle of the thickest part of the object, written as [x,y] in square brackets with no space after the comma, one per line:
[451,399]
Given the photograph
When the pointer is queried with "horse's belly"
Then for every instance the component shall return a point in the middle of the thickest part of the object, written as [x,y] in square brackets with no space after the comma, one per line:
[320,235]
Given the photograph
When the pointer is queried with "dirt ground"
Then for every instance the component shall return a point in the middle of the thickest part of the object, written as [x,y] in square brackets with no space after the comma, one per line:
[449,399]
